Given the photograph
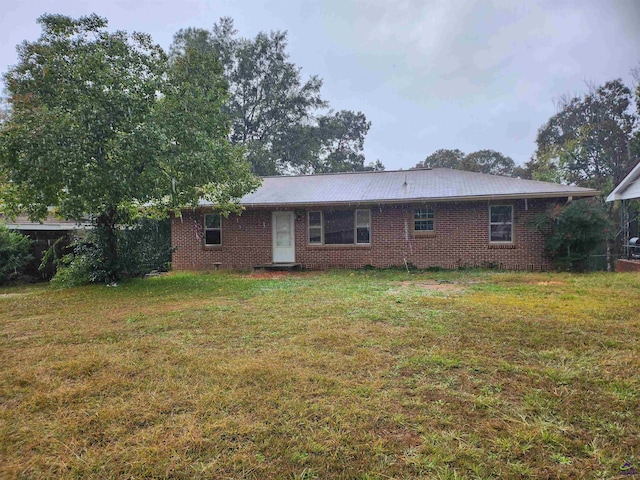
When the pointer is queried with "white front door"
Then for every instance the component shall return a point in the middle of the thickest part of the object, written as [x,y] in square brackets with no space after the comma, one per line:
[284,247]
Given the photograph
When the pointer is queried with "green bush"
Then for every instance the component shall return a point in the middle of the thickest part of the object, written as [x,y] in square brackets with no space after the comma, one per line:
[574,231]
[142,248]
[14,253]
[75,268]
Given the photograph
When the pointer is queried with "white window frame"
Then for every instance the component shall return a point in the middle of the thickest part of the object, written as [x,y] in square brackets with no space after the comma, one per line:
[431,215]
[205,229]
[356,225]
[512,223]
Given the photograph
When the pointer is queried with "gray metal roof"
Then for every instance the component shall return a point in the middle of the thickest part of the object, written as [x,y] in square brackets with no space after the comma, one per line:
[441,184]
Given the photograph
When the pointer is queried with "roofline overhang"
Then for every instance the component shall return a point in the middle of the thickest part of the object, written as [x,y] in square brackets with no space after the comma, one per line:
[632,177]
[476,198]
[618,196]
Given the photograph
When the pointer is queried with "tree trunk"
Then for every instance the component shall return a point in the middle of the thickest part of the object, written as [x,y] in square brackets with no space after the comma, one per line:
[108,244]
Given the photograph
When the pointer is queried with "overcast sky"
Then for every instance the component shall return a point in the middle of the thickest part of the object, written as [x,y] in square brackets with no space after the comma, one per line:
[428,74]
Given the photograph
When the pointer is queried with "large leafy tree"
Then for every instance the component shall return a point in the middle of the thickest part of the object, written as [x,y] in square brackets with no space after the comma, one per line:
[101,124]
[482,161]
[277,116]
[490,161]
[341,142]
[588,142]
[333,144]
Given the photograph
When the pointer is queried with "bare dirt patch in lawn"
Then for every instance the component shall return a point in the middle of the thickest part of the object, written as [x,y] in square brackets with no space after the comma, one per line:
[402,437]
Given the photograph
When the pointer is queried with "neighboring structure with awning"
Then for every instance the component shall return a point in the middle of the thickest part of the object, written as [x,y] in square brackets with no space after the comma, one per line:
[45,234]
[628,189]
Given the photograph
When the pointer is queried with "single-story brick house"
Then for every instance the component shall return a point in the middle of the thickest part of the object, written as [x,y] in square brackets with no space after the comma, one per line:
[425,218]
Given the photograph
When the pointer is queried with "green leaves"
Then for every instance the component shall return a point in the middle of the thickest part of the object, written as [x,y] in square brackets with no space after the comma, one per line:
[78,94]
[14,252]
[574,231]
[268,98]
[483,161]
[196,131]
[273,113]
[102,122]
[587,142]
[341,142]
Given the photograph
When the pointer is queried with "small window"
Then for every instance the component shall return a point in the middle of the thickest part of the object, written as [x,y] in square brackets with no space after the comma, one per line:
[213,229]
[363,226]
[423,220]
[501,223]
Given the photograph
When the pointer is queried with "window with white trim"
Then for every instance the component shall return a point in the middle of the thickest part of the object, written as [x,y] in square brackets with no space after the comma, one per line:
[501,223]
[213,229]
[340,227]
[423,220]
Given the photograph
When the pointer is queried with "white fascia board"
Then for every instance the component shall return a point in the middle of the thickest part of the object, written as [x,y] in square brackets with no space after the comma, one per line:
[628,188]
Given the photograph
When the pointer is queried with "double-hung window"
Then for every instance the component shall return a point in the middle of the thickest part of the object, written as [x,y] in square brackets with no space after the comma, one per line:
[340,227]
[423,220]
[213,229]
[500,223]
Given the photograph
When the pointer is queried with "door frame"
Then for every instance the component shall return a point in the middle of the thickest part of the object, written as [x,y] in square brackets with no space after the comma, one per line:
[283,254]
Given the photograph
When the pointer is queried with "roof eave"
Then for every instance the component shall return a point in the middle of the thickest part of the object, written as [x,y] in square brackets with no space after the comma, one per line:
[464,198]
[617,193]
[612,197]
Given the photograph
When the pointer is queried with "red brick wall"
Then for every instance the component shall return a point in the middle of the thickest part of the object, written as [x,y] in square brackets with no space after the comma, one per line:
[627,266]
[461,239]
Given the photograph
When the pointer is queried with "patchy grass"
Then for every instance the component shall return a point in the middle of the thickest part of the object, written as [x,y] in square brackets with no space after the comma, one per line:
[355,375]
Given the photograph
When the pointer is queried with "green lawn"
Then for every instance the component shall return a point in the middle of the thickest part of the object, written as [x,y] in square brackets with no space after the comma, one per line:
[354,375]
